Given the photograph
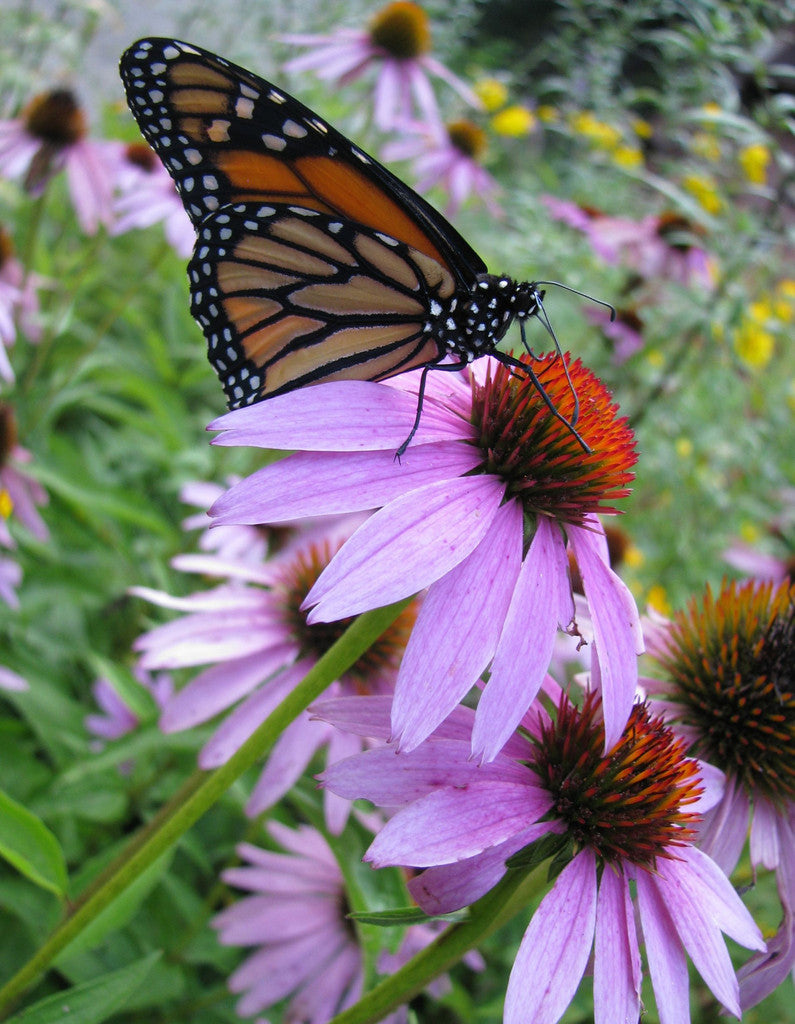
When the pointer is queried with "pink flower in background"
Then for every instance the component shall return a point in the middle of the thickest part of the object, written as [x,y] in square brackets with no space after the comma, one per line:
[255,639]
[249,543]
[448,157]
[305,948]
[624,334]
[480,511]
[19,304]
[657,246]
[10,578]
[147,195]
[117,718]
[764,565]
[625,824]
[396,44]
[19,493]
[11,680]
[49,136]
[727,667]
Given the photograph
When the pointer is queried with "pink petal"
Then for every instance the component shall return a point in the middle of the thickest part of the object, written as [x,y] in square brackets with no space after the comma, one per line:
[723,832]
[664,953]
[456,630]
[541,600]
[406,546]
[451,824]
[307,484]
[290,755]
[617,971]
[555,948]
[765,848]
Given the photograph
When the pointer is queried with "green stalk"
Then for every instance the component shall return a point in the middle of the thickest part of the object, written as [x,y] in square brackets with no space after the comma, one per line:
[197,795]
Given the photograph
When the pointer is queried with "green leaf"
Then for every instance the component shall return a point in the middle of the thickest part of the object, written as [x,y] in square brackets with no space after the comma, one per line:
[403,916]
[27,843]
[92,1002]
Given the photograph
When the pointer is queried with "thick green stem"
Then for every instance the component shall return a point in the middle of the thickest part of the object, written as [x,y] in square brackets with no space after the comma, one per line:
[198,794]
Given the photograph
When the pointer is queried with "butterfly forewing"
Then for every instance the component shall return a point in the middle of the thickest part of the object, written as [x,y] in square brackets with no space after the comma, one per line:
[289,296]
[225,135]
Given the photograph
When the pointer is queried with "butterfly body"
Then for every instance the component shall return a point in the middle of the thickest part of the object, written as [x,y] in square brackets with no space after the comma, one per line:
[313,262]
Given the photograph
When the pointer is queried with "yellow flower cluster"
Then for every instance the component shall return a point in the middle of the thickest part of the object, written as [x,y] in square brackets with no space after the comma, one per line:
[754,160]
[705,190]
[513,120]
[755,339]
[606,136]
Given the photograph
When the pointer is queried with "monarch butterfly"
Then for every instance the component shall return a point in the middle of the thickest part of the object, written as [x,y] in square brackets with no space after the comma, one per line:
[313,262]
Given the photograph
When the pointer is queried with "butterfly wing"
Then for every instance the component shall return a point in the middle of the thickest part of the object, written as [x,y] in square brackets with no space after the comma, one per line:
[227,136]
[289,296]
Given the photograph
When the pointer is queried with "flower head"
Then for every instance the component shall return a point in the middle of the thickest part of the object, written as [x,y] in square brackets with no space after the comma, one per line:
[480,512]
[623,333]
[396,44]
[617,819]
[50,135]
[728,685]
[147,196]
[257,643]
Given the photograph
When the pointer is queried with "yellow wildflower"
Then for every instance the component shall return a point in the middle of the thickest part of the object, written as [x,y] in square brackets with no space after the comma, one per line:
[683,447]
[753,344]
[705,190]
[754,160]
[547,113]
[514,121]
[627,156]
[642,128]
[6,504]
[658,599]
[492,93]
[705,144]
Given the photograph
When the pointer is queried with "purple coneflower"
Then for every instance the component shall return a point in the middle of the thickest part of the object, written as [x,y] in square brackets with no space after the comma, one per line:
[448,156]
[117,718]
[19,304]
[480,512]
[249,543]
[624,333]
[50,135]
[255,638]
[307,948]
[147,195]
[397,42]
[19,493]
[729,687]
[620,821]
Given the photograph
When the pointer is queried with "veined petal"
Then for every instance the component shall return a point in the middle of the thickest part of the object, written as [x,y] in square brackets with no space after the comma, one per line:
[541,598]
[664,953]
[555,948]
[456,630]
[310,484]
[618,636]
[406,546]
[338,416]
[723,833]
[451,824]
[290,755]
[617,972]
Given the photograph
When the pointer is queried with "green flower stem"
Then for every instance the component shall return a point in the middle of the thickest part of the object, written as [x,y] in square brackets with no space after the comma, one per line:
[493,910]
[198,794]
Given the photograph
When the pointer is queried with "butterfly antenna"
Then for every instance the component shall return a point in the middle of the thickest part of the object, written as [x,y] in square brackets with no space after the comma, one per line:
[583,295]
[542,316]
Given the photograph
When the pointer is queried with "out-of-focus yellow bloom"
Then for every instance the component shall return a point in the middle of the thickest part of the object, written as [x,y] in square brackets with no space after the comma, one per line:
[634,557]
[547,113]
[754,160]
[599,132]
[749,532]
[642,128]
[703,187]
[706,145]
[627,156]
[6,504]
[782,310]
[712,109]
[655,358]
[760,310]
[658,599]
[791,396]
[786,288]
[515,121]
[683,447]
[492,93]
[753,344]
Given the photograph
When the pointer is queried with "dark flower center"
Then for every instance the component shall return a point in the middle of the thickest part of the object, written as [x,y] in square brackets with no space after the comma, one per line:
[629,805]
[6,247]
[314,640]
[538,456]
[8,432]
[732,664]
[139,154]
[402,29]
[55,118]
[467,138]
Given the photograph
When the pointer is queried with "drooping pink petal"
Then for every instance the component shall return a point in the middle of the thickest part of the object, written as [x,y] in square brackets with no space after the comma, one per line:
[618,636]
[723,832]
[664,954]
[406,546]
[290,755]
[765,847]
[309,484]
[456,631]
[617,972]
[350,415]
[555,948]
[451,824]
[541,601]
[340,747]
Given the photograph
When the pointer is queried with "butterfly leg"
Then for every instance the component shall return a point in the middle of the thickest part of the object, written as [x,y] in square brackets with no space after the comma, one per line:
[448,367]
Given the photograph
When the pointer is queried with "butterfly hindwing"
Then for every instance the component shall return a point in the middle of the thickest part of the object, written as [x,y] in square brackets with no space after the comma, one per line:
[225,135]
[288,296]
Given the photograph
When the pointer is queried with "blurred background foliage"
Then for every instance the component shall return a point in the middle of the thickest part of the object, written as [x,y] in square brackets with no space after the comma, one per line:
[639,108]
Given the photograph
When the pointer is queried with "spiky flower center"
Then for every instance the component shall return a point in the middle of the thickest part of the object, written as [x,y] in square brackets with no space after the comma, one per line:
[677,231]
[538,455]
[313,641]
[629,805]
[55,118]
[731,660]
[402,29]
[468,138]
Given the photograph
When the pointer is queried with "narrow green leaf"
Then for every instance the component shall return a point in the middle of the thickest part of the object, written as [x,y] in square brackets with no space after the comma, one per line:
[27,843]
[402,916]
[92,1002]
